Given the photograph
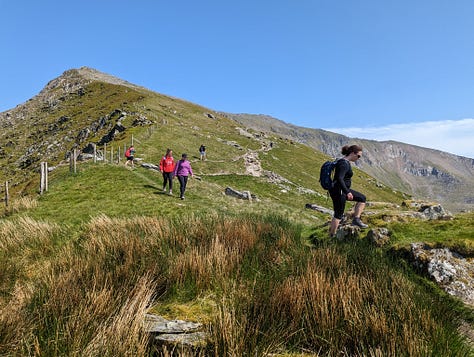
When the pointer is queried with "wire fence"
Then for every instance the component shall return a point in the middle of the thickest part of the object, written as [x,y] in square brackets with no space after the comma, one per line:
[108,154]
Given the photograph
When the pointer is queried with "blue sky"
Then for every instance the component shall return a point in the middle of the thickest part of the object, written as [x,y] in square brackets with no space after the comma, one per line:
[372,69]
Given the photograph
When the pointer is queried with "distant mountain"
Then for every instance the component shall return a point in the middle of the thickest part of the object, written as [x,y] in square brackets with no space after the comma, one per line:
[84,106]
[424,173]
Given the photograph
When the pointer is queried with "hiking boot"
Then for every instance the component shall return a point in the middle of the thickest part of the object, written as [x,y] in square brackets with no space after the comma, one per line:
[357,222]
[182,197]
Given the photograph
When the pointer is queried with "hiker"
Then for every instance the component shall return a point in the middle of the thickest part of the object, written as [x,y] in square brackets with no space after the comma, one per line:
[202,152]
[182,171]
[129,155]
[341,190]
[167,169]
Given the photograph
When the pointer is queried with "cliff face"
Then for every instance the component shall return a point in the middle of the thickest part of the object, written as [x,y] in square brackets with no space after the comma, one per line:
[424,173]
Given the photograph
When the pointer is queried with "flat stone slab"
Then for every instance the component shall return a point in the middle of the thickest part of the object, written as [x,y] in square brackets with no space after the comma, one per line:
[160,325]
[194,339]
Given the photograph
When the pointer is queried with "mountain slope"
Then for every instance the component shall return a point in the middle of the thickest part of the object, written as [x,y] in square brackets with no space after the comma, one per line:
[84,107]
[424,173]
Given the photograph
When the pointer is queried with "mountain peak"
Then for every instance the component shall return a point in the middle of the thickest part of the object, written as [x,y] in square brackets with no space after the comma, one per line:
[84,75]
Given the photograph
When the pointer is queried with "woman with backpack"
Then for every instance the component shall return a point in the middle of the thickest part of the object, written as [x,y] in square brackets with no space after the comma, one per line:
[129,156]
[167,169]
[341,189]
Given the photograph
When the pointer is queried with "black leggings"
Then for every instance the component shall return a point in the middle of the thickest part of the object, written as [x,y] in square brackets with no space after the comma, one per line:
[183,180]
[167,176]
[339,201]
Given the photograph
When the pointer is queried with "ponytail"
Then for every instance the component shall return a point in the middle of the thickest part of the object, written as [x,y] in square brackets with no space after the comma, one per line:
[346,150]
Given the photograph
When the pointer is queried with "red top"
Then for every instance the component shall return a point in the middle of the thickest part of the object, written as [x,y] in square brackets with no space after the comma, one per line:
[167,164]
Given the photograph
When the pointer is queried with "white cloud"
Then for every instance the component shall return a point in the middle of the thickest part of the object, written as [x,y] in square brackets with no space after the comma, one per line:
[453,136]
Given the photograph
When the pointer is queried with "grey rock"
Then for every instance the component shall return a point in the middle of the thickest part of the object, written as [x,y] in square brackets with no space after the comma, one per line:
[150,166]
[175,335]
[379,236]
[194,339]
[319,208]
[246,195]
[450,270]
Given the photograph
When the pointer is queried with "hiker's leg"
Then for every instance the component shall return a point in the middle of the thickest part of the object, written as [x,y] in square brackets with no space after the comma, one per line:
[170,179]
[185,180]
[334,225]
[165,180]
[339,203]
[358,209]
[360,205]
[181,185]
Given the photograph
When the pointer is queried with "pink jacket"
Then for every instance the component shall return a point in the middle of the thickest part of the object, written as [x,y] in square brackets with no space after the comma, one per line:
[183,168]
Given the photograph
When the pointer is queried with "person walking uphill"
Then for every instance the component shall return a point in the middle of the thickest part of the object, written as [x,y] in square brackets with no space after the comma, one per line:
[182,171]
[341,190]
[167,169]
[129,155]
[202,152]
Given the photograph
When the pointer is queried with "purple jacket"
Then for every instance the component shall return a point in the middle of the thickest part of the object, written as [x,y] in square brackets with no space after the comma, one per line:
[183,168]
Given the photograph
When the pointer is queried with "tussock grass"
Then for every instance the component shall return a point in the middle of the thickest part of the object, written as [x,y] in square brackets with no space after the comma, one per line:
[334,307]
[266,291]
[25,233]
[20,204]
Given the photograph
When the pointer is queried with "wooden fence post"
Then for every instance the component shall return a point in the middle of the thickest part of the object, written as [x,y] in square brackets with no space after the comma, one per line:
[95,153]
[44,177]
[72,161]
[7,195]
[105,153]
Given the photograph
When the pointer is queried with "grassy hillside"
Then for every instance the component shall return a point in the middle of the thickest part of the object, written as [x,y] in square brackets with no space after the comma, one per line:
[174,124]
[82,264]
[409,168]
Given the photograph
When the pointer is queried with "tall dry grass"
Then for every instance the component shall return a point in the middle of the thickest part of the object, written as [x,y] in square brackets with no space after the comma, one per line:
[88,300]
[333,307]
[273,294]
[20,204]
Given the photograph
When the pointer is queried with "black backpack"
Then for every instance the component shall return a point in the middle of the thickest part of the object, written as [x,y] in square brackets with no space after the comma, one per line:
[325,175]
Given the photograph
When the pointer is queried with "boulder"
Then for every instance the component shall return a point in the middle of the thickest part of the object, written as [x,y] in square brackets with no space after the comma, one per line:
[379,236]
[435,211]
[246,195]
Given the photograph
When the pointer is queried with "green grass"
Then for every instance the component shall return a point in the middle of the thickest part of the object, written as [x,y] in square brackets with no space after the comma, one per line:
[253,280]
[81,264]
[456,234]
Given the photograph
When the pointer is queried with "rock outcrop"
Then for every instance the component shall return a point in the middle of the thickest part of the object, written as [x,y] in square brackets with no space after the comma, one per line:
[450,270]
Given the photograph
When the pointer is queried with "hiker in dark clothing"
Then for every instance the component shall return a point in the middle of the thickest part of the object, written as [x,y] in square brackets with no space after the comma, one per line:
[341,190]
[202,152]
